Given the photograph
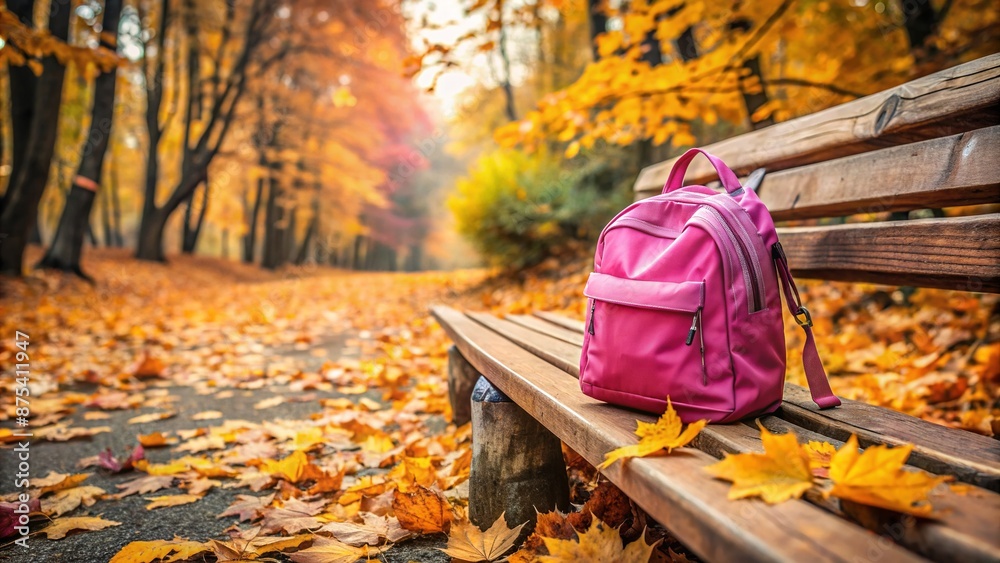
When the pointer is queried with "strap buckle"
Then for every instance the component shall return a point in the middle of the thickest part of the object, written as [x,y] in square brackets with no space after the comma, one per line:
[807,321]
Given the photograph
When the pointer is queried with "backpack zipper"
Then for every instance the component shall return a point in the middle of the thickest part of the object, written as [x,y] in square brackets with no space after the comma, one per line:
[695,327]
[593,307]
[752,275]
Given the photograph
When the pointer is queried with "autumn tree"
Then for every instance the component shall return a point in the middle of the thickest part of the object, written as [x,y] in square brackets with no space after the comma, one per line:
[746,63]
[67,246]
[20,203]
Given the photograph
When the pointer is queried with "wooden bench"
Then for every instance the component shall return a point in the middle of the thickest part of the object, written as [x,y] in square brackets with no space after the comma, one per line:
[930,143]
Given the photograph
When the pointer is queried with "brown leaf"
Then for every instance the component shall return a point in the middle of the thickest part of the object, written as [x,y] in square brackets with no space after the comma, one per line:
[422,510]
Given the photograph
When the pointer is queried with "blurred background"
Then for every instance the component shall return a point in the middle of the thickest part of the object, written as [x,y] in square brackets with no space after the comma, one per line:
[406,134]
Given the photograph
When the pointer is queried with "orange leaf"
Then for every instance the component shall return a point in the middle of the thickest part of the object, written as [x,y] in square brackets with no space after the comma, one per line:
[423,510]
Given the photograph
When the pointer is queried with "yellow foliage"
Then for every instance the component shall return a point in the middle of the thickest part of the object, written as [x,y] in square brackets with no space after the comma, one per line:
[666,433]
[780,473]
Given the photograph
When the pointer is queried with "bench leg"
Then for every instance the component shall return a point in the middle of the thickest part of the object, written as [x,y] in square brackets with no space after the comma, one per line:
[517,464]
[461,380]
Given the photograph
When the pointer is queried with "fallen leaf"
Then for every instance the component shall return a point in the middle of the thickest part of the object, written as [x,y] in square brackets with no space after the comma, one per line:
[155,440]
[151,417]
[325,550]
[780,473]
[292,468]
[207,415]
[468,543]
[62,526]
[62,433]
[146,366]
[820,454]
[144,485]
[57,482]
[107,460]
[293,516]
[176,549]
[598,544]
[247,507]
[10,519]
[68,500]
[422,510]
[876,477]
[665,433]
[171,500]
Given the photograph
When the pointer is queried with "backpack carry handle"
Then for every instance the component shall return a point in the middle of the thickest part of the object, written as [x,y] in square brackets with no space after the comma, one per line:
[729,180]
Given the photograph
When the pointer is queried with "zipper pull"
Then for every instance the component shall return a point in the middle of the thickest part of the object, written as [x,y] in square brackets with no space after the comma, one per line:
[593,306]
[694,328]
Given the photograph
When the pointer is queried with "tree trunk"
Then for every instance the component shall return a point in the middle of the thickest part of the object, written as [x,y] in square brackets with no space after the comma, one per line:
[67,246]
[300,258]
[250,239]
[271,258]
[755,100]
[288,237]
[116,209]
[191,233]
[598,24]
[508,89]
[225,243]
[150,243]
[109,238]
[22,97]
[22,198]
[356,263]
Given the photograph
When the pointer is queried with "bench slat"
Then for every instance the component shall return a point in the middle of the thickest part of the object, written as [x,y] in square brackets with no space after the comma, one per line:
[951,101]
[955,253]
[969,457]
[950,171]
[563,355]
[674,490]
[570,324]
[537,324]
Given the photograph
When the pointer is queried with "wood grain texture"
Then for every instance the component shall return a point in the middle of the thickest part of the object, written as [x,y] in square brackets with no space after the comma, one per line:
[674,490]
[461,381]
[517,465]
[560,320]
[969,457]
[547,328]
[950,171]
[954,253]
[955,100]
[561,354]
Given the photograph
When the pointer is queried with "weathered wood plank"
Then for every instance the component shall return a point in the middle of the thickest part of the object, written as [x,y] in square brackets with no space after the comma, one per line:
[956,170]
[955,253]
[462,379]
[547,328]
[563,355]
[969,457]
[955,100]
[576,326]
[674,490]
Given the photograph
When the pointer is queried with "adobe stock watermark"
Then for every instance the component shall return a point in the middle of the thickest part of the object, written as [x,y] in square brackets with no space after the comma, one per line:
[22,452]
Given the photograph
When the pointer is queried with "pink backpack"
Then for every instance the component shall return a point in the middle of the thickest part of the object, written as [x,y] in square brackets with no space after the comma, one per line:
[684,301]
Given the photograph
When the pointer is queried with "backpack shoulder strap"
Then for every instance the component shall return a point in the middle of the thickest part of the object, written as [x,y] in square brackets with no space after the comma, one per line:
[819,384]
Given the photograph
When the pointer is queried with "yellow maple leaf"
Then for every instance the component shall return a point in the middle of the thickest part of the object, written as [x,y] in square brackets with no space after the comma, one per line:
[173,467]
[780,473]
[876,477]
[62,526]
[598,544]
[819,454]
[468,543]
[171,500]
[145,551]
[292,468]
[665,433]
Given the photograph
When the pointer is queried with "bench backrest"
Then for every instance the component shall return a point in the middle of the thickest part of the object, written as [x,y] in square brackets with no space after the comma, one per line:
[930,143]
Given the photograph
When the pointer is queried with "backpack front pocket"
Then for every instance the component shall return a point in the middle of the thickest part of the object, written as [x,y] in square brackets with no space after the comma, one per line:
[647,339]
